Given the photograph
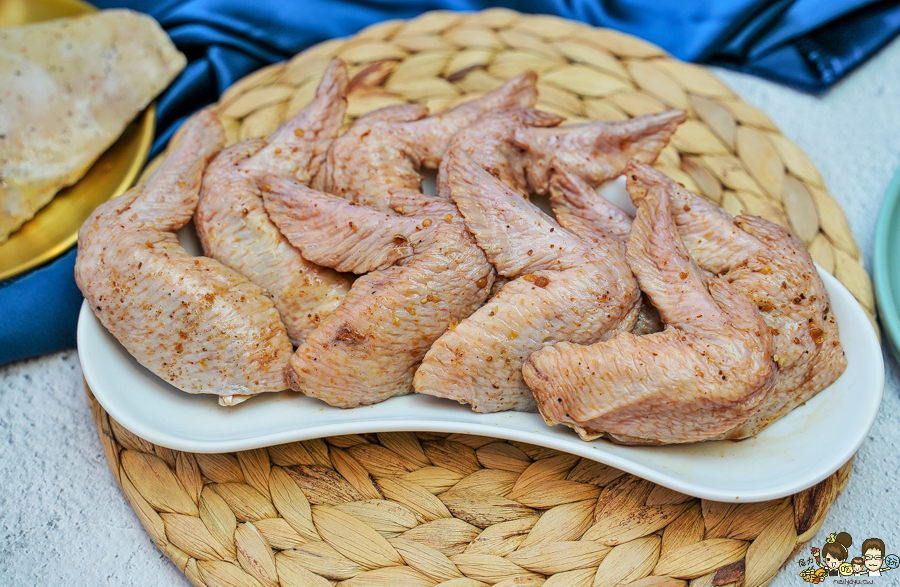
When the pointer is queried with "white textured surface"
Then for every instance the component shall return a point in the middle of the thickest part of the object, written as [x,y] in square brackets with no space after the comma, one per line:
[63,520]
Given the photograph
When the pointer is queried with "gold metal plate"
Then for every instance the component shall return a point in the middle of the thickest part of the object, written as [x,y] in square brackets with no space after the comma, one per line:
[55,227]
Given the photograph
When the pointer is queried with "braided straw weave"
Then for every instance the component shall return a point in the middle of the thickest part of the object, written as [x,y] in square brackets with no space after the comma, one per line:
[425,509]
[409,509]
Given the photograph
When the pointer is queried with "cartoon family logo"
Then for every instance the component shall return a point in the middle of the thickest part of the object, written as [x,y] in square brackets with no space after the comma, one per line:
[832,560]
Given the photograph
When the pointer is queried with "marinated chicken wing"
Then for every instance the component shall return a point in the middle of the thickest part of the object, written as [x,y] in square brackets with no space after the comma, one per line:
[566,288]
[703,375]
[368,349]
[364,240]
[195,323]
[775,271]
[381,153]
[589,293]
[233,225]
[596,151]
[520,146]
[581,209]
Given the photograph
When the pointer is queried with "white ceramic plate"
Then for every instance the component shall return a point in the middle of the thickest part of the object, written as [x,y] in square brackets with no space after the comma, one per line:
[792,454]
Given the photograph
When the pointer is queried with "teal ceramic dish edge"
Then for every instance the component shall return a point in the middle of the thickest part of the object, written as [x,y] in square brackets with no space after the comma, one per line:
[886,264]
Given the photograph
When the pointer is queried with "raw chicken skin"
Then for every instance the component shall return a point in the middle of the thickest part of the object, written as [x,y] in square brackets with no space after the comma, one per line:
[702,376]
[365,240]
[233,225]
[192,321]
[581,209]
[566,288]
[380,154]
[775,271]
[521,146]
[368,349]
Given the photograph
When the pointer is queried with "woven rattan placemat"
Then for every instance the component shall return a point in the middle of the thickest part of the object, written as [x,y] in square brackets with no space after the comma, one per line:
[416,509]
[425,509]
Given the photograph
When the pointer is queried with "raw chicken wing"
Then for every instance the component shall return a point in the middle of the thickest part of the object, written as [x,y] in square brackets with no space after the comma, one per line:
[775,271]
[363,240]
[368,349]
[566,288]
[195,323]
[703,375]
[233,225]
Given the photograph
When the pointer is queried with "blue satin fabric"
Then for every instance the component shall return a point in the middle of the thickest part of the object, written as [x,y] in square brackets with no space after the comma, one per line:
[806,44]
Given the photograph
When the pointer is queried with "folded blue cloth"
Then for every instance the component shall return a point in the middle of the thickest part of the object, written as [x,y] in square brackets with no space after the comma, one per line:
[39,312]
[807,44]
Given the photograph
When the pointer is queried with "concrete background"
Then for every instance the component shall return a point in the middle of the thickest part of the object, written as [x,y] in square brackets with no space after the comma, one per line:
[63,520]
